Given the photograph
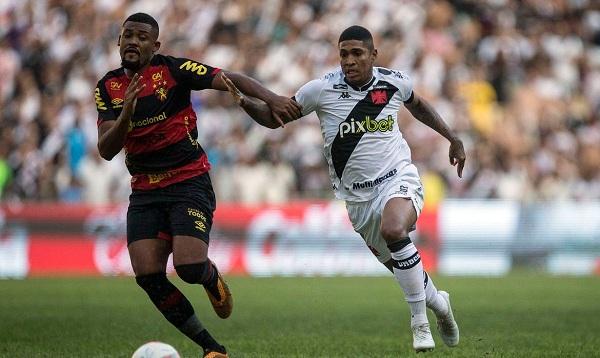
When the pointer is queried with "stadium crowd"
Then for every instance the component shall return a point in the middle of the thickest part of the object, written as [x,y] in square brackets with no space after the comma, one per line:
[519,80]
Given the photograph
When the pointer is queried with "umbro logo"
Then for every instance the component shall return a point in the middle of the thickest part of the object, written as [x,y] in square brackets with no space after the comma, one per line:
[344,95]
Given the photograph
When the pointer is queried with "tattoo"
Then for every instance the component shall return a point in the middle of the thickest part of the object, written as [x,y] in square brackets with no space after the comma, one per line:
[427,115]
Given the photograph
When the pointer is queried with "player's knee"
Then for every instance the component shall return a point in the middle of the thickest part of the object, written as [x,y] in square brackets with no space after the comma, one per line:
[393,233]
[151,282]
[398,245]
[195,273]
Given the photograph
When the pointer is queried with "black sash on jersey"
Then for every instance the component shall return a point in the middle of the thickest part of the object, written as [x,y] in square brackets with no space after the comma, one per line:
[342,147]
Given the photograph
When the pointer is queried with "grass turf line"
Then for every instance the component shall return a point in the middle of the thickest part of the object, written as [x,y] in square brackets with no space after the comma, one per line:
[521,315]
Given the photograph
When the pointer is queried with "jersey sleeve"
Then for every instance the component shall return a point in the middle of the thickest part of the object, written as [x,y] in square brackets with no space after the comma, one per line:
[405,85]
[105,113]
[308,96]
[193,74]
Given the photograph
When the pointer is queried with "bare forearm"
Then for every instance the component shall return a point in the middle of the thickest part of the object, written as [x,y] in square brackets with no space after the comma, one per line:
[111,141]
[251,87]
[260,112]
[112,135]
[427,115]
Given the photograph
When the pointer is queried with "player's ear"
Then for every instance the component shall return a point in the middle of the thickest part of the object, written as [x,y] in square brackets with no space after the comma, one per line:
[156,46]
[119,41]
[374,54]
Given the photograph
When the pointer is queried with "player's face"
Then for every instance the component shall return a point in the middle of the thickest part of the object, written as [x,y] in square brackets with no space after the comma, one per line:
[356,59]
[137,44]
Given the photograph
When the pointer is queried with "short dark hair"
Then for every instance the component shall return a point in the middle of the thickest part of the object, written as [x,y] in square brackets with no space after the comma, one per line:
[359,33]
[143,18]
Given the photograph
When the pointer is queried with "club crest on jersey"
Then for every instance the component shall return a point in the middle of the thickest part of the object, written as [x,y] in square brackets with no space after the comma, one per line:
[115,85]
[159,85]
[161,93]
[379,97]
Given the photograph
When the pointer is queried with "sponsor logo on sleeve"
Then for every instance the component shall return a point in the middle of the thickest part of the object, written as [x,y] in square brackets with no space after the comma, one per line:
[191,66]
[99,102]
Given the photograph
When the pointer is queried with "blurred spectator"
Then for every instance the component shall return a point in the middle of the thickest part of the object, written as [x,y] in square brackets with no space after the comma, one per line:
[520,80]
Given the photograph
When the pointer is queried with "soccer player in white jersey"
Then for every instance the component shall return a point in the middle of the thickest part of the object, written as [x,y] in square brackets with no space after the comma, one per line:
[370,166]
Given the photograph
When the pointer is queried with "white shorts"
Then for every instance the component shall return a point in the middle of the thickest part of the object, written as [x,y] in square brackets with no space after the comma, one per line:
[366,215]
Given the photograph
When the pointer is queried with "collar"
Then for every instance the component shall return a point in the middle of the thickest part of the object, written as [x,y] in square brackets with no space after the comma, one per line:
[363,87]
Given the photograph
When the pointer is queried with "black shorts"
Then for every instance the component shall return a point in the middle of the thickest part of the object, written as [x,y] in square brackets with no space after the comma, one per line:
[184,208]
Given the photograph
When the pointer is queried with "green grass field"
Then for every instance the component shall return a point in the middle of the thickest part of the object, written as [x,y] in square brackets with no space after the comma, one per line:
[522,315]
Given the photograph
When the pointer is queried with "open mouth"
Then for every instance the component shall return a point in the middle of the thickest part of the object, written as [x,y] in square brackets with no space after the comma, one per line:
[131,50]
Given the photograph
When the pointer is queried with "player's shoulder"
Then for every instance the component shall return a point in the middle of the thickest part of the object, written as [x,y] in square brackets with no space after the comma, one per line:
[393,76]
[160,59]
[331,79]
[167,60]
[112,75]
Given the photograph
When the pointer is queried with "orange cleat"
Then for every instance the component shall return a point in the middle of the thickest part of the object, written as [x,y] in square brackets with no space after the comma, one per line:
[224,304]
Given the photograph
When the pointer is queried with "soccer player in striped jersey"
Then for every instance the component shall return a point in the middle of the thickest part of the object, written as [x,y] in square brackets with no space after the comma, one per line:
[144,106]
[370,166]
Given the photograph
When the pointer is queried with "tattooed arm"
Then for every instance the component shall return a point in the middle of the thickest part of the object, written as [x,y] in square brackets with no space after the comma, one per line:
[425,113]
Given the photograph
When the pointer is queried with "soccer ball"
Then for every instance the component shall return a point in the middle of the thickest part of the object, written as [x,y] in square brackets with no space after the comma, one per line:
[155,350]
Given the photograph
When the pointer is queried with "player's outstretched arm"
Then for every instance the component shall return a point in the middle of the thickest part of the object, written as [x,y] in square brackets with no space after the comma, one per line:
[284,109]
[425,113]
[258,110]
[112,134]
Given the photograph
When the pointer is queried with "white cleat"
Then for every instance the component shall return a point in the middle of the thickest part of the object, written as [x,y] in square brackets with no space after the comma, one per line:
[447,325]
[422,339]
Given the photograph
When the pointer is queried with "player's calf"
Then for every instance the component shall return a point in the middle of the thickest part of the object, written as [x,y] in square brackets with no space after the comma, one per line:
[176,308]
[207,274]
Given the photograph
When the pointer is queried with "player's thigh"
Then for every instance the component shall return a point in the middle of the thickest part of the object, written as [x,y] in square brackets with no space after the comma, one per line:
[149,255]
[147,234]
[189,250]
[190,225]
[191,220]
[366,220]
[398,217]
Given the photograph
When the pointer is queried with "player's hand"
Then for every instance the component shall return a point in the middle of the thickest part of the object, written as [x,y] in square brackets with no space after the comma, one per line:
[131,94]
[237,95]
[284,109]
[457,155]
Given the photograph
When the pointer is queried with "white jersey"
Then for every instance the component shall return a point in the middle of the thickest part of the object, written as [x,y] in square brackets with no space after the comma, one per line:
[362,142]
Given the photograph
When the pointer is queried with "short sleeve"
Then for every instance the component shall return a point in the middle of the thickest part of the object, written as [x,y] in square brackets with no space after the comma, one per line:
[308,96]
[404,83]
[102,99]
[190,73]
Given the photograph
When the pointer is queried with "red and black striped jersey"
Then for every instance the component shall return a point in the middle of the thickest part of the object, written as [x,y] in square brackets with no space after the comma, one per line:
[161,145]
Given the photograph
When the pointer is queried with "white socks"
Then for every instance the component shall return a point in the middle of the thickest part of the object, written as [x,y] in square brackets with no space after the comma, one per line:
[408,271]
[434,300]
[418,287]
